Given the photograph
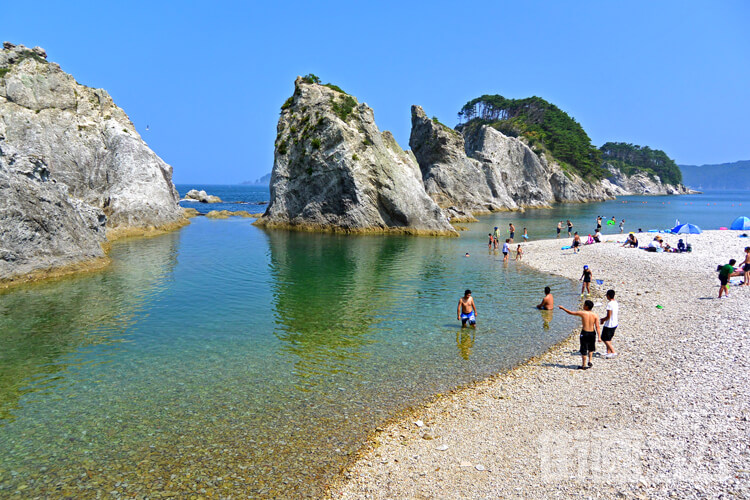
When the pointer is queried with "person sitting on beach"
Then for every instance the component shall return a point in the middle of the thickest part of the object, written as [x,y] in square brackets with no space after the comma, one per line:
[725,272]
[586,278]
[655,245]
[631,242]
[467,310]
[506,249]
[576,243]
[598,236]
[590,240]
[590,332]
[548,302]
[681,246]
[519,252]
[746,267]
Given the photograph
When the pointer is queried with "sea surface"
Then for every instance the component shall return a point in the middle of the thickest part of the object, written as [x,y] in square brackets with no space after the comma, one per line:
[223,358]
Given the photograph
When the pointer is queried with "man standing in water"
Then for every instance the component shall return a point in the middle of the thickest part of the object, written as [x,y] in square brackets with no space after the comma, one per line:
[467,310]
[589,323]
[548,302]
[559,228]
[570,228]
[512,231]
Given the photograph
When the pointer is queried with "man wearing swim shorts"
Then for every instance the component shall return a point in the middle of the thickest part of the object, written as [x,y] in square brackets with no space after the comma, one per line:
[512,230]
[589,324]
[467,310]
[746,267]
[610,322]
[570,228]
[559,228]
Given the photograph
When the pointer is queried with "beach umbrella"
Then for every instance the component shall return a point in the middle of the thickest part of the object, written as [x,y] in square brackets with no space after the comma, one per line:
[686,229]
[741,224]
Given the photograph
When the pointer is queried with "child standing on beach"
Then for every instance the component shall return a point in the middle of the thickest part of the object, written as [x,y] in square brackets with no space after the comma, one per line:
[610,322]
[589,323]
[724,274]
[506,250]
[586,278]
[519,253]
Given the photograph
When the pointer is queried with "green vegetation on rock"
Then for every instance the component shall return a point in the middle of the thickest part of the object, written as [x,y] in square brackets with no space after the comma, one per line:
[334,87]
[631,159]
[544,126]
[310,78]
[315,143]
[3,72]
[288,103]
[343,107]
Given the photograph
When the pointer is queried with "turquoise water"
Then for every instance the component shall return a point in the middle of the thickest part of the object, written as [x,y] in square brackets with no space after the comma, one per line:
[224,359]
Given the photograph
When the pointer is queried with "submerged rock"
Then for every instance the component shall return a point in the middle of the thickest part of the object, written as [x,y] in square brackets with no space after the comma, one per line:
[335,171]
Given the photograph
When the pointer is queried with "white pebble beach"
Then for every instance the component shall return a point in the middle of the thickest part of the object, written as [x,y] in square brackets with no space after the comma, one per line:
[666,418]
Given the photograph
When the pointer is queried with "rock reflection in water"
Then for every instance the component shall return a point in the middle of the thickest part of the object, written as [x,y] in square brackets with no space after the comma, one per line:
[44,327]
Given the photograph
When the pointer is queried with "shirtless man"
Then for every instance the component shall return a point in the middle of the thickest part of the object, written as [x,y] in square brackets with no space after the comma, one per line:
[589,323]
[512,231]
[548,302]
[467,310]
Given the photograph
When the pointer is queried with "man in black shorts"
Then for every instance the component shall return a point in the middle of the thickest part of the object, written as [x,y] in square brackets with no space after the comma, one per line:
[725,272]
[589,324]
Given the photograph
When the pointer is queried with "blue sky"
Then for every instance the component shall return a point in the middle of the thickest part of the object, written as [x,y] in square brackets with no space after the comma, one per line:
[209,77]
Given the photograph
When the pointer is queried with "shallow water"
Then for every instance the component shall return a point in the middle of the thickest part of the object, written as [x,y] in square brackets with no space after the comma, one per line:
[230,359]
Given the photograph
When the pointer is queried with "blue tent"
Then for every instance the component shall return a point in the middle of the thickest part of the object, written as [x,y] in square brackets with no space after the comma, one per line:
[741,224]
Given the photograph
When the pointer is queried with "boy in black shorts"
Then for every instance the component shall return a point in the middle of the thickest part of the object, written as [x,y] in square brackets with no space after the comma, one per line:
[589,324]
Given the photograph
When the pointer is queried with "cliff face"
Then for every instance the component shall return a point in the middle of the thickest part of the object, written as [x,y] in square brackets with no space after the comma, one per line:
[334,170]
[42,226]
[86,141]
[485,170]
[642,183]
[71,166]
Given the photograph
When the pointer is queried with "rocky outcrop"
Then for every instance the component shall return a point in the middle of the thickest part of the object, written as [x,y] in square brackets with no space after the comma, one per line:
[201,196]
[642,183]
[335,171]
[42,226]
[483,170]
[455,181]
[86,141]
[71,166]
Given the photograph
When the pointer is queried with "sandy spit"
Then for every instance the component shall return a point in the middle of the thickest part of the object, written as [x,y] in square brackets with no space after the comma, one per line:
[667,418]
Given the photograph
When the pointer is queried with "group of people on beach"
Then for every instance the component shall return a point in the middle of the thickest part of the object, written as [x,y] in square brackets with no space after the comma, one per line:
[494,241]
[728,271]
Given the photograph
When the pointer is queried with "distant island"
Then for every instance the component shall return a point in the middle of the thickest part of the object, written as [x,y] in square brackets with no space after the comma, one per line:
[263,181]
[721,176]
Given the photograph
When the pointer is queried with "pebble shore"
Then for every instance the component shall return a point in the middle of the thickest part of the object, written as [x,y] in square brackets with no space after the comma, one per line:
[666,418]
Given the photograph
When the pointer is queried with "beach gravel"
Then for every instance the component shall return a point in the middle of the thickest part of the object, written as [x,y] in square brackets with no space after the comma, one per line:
[666,418]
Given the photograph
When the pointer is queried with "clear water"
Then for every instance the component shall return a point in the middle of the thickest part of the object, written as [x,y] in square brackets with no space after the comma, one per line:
[226,359]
